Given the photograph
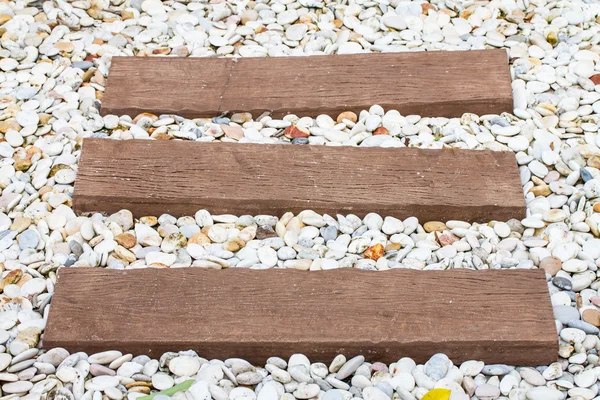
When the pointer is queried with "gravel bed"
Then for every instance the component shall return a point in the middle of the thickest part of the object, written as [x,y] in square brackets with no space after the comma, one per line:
[54,60]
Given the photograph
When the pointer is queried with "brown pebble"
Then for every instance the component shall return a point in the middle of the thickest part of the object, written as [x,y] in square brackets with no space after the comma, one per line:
[4,18]
[595,79]
[56,168]
[9,124]
[294,132]
[12,277]
[138,384]
[264,232]
[374,252]
[594,162]
[542,190]
[64,46]
[140,389]
[446,238]
[425,7]
[349,115]
[240,118]
[591,316]
[199,238]
[234,244]
[33,151]
[22,164]
[393,246]
[20,224]
[161,136]
[597,207]
[233,131]
[381,131]
[126,240]
[153,117]
[434,226]
[125,15]
[551,265]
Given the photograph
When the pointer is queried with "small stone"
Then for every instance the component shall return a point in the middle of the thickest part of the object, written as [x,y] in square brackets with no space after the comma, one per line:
[29,239]
[233,131]
[296,132]
[217,234]
[374,252]
[438,366]
[434,226]
[17,387]
[126,240]
[184,365]
[487,391]
[562,283]
[162,381]
[565,313]
[591,316]
[349,115]
[551,265]
[349,367]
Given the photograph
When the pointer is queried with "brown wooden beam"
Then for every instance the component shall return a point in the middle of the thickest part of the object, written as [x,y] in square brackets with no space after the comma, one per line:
[432,83]
[490,315]
[181,177]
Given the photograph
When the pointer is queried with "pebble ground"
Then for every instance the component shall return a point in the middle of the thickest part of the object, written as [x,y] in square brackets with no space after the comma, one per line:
[54,60]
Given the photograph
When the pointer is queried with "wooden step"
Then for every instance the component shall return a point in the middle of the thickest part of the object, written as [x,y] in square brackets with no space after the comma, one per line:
[436,83]
[490,315]
[181,177]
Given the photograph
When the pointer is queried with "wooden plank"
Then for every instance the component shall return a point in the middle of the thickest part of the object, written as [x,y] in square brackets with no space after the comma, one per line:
[436,83]
[181,177]
[490,315]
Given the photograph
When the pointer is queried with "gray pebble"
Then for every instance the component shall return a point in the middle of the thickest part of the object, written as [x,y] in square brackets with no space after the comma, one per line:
[497,369]
[585,175]
[70,260]
[562,283]
[438,366]
[329,232]
[349,367]
[189,230]
[300,141]
[386,388]
[76,248]
[141,253]
[584,326]
[333,394]
[26,93]
[286,253]
[565,314]
[84,65]
[306,242]
[221,120]
[28,239]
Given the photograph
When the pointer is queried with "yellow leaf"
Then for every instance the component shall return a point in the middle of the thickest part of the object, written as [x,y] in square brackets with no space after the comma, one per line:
[437,394]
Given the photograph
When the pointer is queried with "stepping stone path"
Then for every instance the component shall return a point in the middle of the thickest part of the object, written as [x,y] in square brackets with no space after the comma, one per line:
[55,60]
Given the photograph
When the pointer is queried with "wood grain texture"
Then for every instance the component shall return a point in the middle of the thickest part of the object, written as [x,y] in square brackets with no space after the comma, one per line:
[494,316]
[433,83]
[181,177]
